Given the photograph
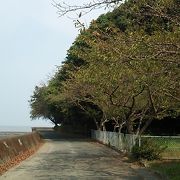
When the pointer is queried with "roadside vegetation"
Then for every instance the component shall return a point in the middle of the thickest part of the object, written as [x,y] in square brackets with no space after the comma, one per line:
[149,150]
[169,169]
[121,73]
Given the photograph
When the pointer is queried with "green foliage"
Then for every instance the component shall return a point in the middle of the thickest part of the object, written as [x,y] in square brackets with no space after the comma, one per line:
[170,169]
[119,79]
[123,69]
[149,150]
[42,106]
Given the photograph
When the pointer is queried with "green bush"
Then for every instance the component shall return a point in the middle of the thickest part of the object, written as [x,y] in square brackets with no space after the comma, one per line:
[149,150]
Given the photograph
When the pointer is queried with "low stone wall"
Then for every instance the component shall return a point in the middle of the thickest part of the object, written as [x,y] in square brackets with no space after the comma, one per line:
[12,147]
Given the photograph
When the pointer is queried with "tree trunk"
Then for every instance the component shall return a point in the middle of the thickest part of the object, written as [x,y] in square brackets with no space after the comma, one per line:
[148,122]
[96,123]
[130,127]
[152,111]
[121,126]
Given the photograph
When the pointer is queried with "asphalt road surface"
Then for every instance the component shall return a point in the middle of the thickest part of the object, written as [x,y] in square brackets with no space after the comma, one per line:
[74,159]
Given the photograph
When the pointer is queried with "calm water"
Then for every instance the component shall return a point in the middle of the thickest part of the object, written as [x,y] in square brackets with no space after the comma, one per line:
[6,131]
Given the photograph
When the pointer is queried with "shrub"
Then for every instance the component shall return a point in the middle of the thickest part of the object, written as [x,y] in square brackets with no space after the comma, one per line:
[148,150]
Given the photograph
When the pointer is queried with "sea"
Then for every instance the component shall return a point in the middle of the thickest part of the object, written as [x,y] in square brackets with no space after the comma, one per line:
[10,131]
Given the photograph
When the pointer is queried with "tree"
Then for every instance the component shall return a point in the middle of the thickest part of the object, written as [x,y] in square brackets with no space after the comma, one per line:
[141,58]
[129,77]
[122,71]
[42,106]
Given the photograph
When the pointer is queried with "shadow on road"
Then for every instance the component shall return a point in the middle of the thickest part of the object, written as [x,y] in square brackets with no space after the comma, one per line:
[53,135]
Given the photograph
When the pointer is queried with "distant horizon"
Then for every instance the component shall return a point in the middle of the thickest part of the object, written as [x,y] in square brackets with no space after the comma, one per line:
[26,126]
[5,129]
[33,42]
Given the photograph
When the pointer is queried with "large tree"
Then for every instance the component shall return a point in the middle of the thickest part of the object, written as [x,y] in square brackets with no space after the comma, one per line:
[130,75]
[123,70]
[43,107]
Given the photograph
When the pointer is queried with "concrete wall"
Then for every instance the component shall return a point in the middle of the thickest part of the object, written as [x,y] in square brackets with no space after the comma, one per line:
[14,146]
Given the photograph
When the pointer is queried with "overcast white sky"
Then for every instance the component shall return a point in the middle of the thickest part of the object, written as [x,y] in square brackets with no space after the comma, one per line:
[33,40]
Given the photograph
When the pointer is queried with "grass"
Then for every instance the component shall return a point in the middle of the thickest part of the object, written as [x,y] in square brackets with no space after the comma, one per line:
[172,145]
[170,169]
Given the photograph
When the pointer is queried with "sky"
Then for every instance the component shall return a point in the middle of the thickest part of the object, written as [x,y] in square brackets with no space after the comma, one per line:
[33,41]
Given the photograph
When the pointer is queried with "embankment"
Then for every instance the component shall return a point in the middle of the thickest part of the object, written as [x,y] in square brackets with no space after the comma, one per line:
[15,149]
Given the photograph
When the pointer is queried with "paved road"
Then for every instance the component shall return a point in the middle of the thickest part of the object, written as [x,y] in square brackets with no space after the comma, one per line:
[71,159]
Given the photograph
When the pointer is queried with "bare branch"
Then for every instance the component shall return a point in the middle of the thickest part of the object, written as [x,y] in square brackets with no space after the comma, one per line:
[64,8]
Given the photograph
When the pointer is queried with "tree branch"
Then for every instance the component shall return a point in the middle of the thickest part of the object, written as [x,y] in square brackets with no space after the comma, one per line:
[85,8]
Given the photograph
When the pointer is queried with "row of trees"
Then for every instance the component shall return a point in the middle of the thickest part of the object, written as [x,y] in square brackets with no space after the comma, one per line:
[120,73]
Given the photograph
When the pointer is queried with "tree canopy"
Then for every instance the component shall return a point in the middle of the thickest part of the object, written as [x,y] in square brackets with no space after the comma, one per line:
[121,72]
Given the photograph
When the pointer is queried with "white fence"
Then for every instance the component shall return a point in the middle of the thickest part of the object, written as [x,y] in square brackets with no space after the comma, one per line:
[125,142]
[119,141]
